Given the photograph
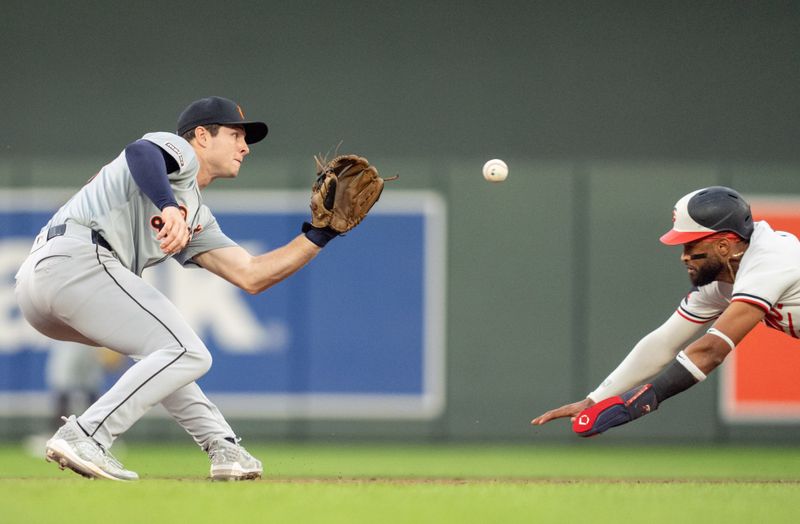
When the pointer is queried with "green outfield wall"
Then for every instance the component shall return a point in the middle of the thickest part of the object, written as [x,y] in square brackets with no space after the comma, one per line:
[606,113]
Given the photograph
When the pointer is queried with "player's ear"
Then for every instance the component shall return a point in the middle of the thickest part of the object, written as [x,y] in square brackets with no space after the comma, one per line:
[201,135]
[724,247]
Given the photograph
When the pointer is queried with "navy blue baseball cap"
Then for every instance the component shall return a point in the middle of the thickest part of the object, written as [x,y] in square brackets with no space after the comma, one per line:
[218,110]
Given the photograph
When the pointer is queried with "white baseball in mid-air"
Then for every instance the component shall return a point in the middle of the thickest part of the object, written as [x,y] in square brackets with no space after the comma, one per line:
[495,170]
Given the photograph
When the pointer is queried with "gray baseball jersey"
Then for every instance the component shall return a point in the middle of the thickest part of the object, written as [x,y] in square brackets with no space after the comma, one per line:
[113,205]
[72,287]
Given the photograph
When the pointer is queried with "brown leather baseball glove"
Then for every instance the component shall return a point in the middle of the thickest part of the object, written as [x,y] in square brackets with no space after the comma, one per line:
[345,190]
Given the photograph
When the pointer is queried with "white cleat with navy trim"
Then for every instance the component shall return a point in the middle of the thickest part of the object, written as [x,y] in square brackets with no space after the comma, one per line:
[230,461]
[72,448]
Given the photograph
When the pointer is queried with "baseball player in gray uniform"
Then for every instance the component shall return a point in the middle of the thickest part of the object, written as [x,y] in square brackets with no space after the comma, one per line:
[743,273]
[82,282]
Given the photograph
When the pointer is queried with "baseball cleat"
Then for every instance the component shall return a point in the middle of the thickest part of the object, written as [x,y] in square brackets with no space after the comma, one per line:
[230,461]
[71,448]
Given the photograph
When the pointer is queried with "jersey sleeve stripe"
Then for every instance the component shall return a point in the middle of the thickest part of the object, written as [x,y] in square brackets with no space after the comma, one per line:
[750,299]
[694,318]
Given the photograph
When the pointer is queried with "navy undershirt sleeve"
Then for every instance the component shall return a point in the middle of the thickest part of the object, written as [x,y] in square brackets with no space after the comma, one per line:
[149,165]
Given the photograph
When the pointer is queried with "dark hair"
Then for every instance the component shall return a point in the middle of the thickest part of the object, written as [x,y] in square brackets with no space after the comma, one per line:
[213,129]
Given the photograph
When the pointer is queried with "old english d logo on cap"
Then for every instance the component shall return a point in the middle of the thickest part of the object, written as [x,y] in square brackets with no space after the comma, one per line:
[222,111]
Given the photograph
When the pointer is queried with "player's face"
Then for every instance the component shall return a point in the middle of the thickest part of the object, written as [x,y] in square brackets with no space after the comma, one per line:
[702,263]
[226,152]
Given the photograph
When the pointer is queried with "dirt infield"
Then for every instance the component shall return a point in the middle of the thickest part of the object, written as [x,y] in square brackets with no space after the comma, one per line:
[409,481]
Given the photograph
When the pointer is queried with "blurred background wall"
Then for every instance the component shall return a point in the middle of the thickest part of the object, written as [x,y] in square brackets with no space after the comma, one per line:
[606,112]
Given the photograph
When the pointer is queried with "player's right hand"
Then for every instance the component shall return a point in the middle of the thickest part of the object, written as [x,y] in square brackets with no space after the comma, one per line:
[174,235]
[568,410]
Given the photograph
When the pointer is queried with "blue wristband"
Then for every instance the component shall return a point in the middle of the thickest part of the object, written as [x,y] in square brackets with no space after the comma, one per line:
[319,235]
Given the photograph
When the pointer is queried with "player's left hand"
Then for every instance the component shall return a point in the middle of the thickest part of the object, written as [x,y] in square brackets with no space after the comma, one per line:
[569,410]
[174,234]
[615,411]
[345,190]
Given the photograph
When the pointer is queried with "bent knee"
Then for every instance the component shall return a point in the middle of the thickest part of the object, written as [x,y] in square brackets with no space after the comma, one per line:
[200,358]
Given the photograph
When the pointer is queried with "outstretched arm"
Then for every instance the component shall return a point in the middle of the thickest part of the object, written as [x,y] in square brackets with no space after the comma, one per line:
[255,273]
[736,322]
[691,366]
[649,356]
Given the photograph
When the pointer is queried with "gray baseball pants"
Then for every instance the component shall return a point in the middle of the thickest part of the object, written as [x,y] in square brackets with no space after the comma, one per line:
[71,288]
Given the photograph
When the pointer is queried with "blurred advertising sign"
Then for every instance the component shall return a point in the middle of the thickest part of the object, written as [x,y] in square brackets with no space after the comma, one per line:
[759,379]
[359,333]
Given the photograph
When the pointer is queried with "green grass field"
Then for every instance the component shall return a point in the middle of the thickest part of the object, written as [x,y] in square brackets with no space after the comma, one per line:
[386,483]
